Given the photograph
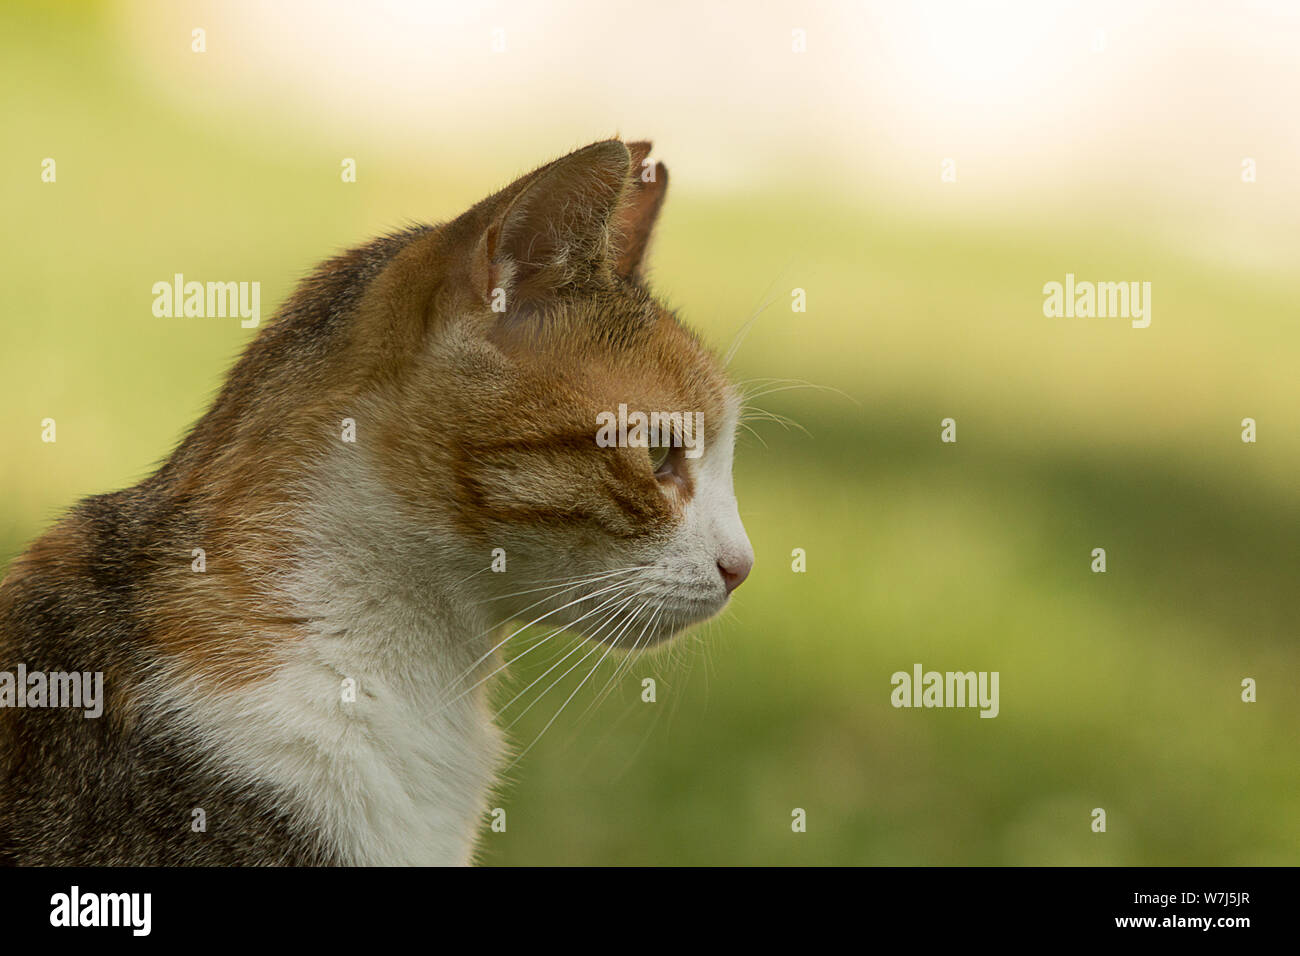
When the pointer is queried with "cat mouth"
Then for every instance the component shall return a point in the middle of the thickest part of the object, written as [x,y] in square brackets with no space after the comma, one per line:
[631,611]
[654,622]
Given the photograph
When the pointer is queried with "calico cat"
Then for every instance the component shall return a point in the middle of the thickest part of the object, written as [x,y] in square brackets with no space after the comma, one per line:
[402,459]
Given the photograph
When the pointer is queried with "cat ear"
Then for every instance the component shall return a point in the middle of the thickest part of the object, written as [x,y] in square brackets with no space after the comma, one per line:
[640,209]
[554,229]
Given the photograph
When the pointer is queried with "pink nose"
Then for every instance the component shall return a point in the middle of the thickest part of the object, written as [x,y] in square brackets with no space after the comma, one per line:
[734,571]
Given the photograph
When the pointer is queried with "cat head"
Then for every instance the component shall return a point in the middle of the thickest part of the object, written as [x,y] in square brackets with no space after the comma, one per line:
[537,407]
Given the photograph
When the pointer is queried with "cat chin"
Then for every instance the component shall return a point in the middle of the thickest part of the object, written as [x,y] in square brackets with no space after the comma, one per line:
[665,628]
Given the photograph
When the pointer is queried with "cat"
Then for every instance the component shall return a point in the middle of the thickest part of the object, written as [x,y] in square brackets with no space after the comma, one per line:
[295,615]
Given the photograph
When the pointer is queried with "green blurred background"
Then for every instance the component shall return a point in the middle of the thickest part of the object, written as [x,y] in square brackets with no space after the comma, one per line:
[1118,690]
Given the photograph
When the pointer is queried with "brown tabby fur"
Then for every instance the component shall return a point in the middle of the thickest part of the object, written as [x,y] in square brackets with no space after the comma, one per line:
[479,422]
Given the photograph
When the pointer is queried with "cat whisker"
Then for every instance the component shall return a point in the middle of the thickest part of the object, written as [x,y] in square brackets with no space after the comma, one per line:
[492,650]
[630,760]
[752,414]
[682,668]
[472,576]
[633,660]
[547,638]
[566,582]
[623,664]
[618,600]
[482,680]
[743,331]
[750,428]
[790,385]
[541,601]
[595,647]
[562,589]
[612,643]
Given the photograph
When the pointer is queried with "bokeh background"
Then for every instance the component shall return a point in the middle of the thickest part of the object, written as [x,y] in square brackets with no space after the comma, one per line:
[1104,139]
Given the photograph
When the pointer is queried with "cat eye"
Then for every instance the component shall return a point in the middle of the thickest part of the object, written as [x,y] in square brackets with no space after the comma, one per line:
[659,456]
[668,463]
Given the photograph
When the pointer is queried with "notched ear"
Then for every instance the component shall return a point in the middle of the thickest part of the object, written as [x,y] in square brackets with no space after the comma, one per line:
[556,230]
[640,210]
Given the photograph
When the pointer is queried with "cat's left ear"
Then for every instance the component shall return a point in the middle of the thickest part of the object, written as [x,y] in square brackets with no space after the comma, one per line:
[636,217]
[554,228]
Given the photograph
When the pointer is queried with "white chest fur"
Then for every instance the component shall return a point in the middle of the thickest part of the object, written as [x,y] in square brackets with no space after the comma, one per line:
[357,731]
[366,724]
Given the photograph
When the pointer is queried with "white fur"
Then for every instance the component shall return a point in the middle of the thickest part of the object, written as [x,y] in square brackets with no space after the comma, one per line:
[685,574]
[402,775]
[399,776]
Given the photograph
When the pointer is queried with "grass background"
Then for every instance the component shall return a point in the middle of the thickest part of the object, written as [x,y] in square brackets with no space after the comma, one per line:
[1118,691]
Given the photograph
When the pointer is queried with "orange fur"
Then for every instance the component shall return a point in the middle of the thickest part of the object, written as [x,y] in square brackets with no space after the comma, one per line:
[479,422]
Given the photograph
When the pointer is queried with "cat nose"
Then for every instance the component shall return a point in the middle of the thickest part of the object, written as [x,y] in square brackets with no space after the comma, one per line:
[734,570]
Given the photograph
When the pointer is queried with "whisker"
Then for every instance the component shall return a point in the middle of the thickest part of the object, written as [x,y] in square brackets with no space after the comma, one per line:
[752,414]
[474,575]
[621,668]
[492,650]
[596,610]
[763,307]
[788,384]
[570,582]
[595,647]
[515,615]
[612,644]
[750,428]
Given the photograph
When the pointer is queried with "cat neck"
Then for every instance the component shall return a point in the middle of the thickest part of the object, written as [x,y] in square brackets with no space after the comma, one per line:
[381,704]
[380,591]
